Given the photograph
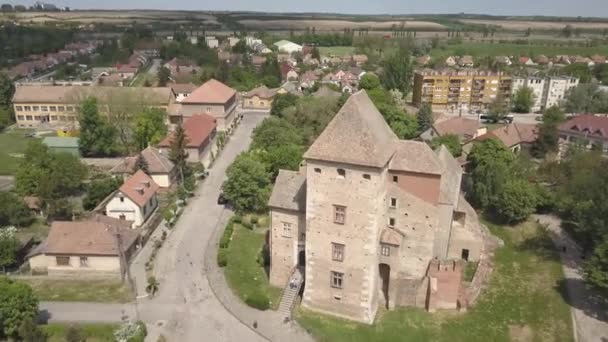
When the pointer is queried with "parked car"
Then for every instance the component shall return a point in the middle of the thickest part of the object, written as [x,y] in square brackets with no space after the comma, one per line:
[488,118]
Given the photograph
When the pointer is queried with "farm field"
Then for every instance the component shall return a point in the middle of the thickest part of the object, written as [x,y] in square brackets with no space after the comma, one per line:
[336,50]
[509,49]
[336,25]
[127,16]
[522,25]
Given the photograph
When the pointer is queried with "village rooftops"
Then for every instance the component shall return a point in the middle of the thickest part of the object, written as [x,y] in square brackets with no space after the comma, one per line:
[75,94]
[198,128]
[590,125]
[466,129]
[261,92]
[157,162]
[212,91]
[139,188]
[513,134]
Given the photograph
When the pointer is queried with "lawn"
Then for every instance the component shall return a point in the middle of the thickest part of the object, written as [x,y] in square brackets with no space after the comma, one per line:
[510,49]
[13,144]
[336,50]
[522,303]
[65,290]
[244,273]
[92,332]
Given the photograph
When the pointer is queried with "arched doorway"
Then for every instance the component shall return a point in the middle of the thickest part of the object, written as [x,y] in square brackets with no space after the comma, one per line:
[385,274]
[301,258]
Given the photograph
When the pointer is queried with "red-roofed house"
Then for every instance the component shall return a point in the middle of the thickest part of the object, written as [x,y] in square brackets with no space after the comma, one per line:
[516,136]
[213,98]
[200,130]
[135,200]
[586,131]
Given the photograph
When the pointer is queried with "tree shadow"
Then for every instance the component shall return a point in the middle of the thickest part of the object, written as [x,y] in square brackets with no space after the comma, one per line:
[581,296]
[542,246]
[43,317]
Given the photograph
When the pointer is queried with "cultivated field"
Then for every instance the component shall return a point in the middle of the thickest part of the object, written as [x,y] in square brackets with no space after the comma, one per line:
[522,25]
[126,16]
[336,25]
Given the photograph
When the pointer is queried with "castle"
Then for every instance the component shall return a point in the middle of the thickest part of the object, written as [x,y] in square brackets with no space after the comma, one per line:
[372,220]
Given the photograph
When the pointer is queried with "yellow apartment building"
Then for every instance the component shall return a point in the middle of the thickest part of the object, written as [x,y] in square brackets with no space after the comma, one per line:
[56,106]
[460,90]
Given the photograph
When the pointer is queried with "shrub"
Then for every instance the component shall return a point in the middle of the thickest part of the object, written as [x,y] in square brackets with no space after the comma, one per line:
[222,257]
[225,240]
[254,220]
[237,218]
[258,300]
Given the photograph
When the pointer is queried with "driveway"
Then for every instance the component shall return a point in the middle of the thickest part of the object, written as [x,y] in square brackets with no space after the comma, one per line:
[85,312]
[185,305]
[589,309]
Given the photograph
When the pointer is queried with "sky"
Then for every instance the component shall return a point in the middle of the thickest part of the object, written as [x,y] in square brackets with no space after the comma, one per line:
[595,8]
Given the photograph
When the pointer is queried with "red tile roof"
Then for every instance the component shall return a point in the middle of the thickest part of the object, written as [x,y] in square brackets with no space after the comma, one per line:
[198,128]
[212,91]
[139,188]
[513,134]
[595,126]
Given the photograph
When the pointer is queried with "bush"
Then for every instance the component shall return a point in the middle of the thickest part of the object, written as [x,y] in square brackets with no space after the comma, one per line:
[222,257]
[237,218]
[258,300]
[227,236]
[254,220]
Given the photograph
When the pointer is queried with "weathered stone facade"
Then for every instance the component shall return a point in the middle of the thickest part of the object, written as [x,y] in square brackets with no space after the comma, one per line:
[374,217]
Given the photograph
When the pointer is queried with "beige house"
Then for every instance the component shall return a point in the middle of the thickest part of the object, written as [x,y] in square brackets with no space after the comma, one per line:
[135,200]
[213,98]
[92,247]
[372,220]
[259,98]
[160,168]
[515,136]
[201,131]
[60,105]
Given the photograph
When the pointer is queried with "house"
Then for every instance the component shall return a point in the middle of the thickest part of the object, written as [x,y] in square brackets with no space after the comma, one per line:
[259,98]
[465,129]
[62,145]
[504,60]
[542,60]
[287,46]
[126,71]
[212,42]
[523,60]
[181,65]
[232,41]
[288,72]
[258,61]
[81,248]
[135,200]
[34,204]
[213,98]
[584,131]
[308,79]
[290,87]
[423,60]
[515,136]
[160,168]
[372,221]
[466,61]
[359,60]
[450,61]
[182,90]
[201,130]
[250,41]
[597,59]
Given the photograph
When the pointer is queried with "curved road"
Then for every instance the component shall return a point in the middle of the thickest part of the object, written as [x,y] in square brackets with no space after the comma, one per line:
[185,305]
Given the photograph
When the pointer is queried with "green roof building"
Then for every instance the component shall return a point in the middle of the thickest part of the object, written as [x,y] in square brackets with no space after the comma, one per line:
[63,145]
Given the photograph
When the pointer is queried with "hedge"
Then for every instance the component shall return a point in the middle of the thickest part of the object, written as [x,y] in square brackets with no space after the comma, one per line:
[258,300]
[222,257]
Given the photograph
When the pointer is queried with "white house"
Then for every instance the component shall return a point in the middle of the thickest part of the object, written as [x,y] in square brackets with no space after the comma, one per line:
[287,46]
[212,42]
[135,200]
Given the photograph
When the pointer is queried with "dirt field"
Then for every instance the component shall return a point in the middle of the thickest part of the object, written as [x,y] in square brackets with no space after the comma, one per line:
[538,25]
[110,16]
[336,25]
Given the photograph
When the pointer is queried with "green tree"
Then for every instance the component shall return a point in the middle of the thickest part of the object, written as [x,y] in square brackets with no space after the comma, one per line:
[275,132]
[271,72]
[425,117]
[9,247]
[7,89]
[516,201]
[281,102]
[498,109]
[548,136]
[177,152]
[578,70]
[398,72]
[29,331]
[369,81]
[163,75]
[405,126]
[600,71]
[142,164]
[97,137]
[17,305]
[13,210]
[523,100]
[98,190]
[451,141]
[596,269]
[5,118]
[247,185]
[150,127]
[315,53]
[284,157]
[586,98]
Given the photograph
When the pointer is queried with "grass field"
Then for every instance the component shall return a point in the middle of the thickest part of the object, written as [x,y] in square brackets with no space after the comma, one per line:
[91,332]
[336,50]
[243,272]
[95,290]
[497,49]
[13,145]
[522,303]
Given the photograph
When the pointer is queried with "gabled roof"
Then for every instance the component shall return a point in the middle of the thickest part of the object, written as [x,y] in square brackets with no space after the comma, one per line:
[139,188]
[198,128]
[75,94]
[466,129]
[158,163]
[513,134]
[415,156]
[183,88]
[289,191]
[587,124]
[212,91]
[357,135]
[86,238]
[262,92]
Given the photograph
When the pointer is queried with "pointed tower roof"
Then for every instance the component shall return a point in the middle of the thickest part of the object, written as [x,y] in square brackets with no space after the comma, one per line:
[357,135]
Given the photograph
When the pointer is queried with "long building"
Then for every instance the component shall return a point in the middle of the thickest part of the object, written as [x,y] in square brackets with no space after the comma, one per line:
[460,90]
[548,91]
[59,105]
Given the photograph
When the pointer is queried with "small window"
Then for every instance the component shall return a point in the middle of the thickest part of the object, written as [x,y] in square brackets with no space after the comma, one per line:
[20,117]
[44,108]
[18,108]
[395,179]
[286,229]
[122,199]
[122,217]
[63,261]
[53,117]
[70,108]
[35,108]
[385,250]
[317,170]
[367,176]
[337,252]
[391,222]
[84,261]
[61,108]
[465,255]
[339,214]
[28,117]
[53,108]
[341,173]
[393,202]
[336,279]
[27,108]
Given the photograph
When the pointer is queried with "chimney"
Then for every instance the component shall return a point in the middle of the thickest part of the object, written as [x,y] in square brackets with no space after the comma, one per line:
[140,190]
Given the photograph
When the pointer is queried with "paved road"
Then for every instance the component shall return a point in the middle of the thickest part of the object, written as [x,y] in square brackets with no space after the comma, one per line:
[185,304]
[519,118]
[153,70]
[85,312]
[589,310]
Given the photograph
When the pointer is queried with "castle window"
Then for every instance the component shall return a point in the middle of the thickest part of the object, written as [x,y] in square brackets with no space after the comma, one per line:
[62,261]
[337,251]
[367,176]
[317,170]
[385,250]
[391,222]
[465,255]
[339,214]
[286,229]
[341,173]
[336,279]
[395,179]
[84,261]
[393,202]
[18,108]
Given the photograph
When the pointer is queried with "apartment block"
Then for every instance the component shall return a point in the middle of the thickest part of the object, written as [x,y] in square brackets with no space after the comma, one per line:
[537,84]
[460,90]
[548,91]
